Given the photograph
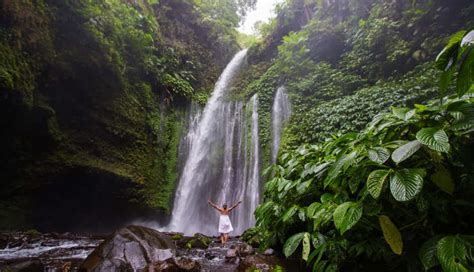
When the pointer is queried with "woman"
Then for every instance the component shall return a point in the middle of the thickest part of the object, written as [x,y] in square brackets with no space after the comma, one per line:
[225,226]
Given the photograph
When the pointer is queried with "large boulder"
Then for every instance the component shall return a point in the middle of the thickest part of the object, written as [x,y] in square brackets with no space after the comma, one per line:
[130,249]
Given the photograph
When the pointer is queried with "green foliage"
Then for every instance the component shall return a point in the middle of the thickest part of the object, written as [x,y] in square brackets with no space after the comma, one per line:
[336,192]
[458,56]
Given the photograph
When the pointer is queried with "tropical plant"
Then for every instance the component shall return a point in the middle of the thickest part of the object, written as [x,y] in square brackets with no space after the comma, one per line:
[407,177]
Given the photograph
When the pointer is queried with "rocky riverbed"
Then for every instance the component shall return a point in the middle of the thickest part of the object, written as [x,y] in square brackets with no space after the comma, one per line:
[133,248]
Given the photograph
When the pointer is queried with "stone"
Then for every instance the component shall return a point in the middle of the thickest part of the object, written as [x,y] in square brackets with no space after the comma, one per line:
[198,241]
[261,262]
[187,264]
[269,251]
[174,265]
[244,249]
[130,249]
[26,266]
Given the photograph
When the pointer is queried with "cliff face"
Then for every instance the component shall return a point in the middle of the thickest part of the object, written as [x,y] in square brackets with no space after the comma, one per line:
[91,106]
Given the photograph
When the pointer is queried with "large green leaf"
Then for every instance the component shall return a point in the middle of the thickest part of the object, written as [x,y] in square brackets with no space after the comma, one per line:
[442,178]
[391,234]
[434,138]
[451,253]
[446,57]
[403,113]
[292,244]
[306,246]
[427,253]
[347,215]
[375,182]
[405,151]
[406,183]
[379,154]
[468,39]
[466,71]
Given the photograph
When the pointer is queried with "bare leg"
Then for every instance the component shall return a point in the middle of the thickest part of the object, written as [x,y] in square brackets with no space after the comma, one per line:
[222,238]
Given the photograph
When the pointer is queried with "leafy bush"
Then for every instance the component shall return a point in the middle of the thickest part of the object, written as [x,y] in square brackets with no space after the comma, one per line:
[407,177]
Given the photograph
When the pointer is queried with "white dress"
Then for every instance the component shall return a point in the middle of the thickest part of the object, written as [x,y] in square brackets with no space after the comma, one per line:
[225,226]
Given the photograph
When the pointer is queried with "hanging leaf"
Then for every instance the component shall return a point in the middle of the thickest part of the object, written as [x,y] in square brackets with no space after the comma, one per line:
[347,215]
[306,246]
[445,57]
[406,183]
[391,234]
[405,151]
[434,138]
[468,39]
[442,178]
[292,244]
[465,77]
[375,182]
[427,253]
[451,253]
[379,154]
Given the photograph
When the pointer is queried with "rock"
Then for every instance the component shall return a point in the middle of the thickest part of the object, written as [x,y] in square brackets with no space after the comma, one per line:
[269,251]
[198,241]
[26,266]
[3,241]
[231,253]
[174,265]
[187,264]
[128,249]
[231,256]
[259,262]
[162,266]
[244,249]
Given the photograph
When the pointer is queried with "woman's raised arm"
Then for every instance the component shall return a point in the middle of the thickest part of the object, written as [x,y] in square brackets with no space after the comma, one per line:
[214,205]
[235,205]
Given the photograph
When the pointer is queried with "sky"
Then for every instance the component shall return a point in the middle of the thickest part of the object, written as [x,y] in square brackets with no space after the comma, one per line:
[262,12]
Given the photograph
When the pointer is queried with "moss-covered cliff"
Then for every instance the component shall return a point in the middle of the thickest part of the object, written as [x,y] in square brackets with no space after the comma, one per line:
[92,95]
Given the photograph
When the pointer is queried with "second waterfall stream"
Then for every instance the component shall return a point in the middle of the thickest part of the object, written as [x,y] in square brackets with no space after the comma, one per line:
[222,162]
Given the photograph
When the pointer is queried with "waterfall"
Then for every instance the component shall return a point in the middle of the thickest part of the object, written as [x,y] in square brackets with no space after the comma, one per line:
[281,111]
[222,162]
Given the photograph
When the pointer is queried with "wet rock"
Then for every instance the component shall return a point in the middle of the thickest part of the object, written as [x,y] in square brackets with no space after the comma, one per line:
[130,248]
[260,262]
[3,241]
[269,251]
[26,266]
[162,266]
[187,264]
[199,241]
[244,249]
[209,256]
[174,265]
[231,253]
[231,256]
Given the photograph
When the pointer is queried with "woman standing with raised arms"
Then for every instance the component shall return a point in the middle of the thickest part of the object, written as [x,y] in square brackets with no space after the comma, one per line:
[225,226]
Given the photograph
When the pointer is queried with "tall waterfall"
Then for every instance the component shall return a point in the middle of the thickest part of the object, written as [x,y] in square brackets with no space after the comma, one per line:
[280,114]
[222,162]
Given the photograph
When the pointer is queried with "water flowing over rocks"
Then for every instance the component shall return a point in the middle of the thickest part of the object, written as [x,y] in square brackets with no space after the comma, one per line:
[133,248]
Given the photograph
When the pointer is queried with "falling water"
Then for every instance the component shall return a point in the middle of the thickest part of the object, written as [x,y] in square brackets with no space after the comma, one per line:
[222,162]
[280,114]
